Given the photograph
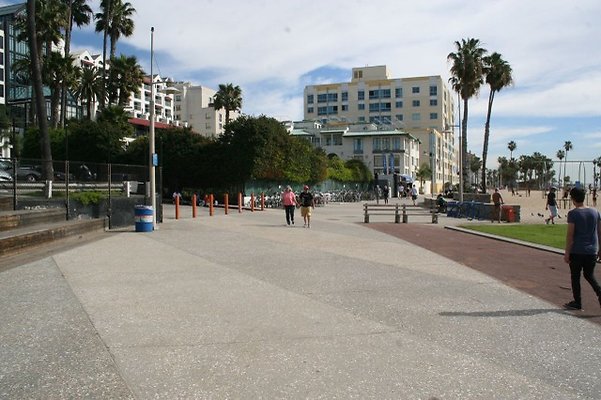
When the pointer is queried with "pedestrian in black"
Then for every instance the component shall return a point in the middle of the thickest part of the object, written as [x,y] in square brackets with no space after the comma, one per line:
[583,246]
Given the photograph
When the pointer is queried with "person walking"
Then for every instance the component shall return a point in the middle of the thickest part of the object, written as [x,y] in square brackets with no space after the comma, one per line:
[413,193]
[583,246]
[497,200]
[289,201]
[551,206]
[385,194]
[307,205]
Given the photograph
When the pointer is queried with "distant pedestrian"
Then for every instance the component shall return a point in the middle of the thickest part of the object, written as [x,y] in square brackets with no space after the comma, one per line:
[413,193]
[583,246]
[307,205]
[386,193]
[595,197]
[402,191]
[551,206]
[497,200]
[377,193]
[290,203]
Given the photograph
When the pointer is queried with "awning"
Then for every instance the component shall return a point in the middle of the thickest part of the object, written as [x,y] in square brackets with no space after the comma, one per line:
[406,178]
[146,122]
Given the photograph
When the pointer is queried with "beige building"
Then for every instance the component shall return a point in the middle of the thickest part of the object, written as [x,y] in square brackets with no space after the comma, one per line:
[193,106]
[420,106]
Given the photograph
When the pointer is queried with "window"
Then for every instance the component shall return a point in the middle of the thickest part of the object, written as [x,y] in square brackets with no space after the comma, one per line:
[379,94]
[433,90]
[361,119]
[415,103]
[310,99]
[398,93]
[433,102]
[309,110]
[377,144]
[396,144]
[322,98]
[358,74]
[399,104]
[327,98]
[379,107]
[433,115]
[415,89]
[416,117]
[345,107]
[344,96]
[337,140]
[177,97]
[327,110]
[386,144]
[361,95]
[357,146]
[399,117]
[361,106]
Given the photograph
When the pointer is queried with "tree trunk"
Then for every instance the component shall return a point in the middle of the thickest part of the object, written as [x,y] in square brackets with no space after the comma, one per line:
[67,51]
[464,162]
[491,98]
[38,88]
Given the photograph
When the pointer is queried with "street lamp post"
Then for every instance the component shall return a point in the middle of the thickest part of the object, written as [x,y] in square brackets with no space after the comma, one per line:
[151,155]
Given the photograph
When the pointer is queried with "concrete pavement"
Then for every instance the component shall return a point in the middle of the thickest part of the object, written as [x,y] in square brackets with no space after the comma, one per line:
[242,306]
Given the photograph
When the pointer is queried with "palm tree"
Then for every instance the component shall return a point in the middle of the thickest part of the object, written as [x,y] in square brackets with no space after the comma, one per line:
[80,14]
[121,24]
[567,146]
[498,76]
[560,155]
[90,88]
[467,77]
[36,69]
[126,76]
[228,97]
[58,72]
[511,146]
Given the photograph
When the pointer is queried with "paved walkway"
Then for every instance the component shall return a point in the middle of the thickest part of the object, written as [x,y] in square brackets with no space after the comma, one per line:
[241,306]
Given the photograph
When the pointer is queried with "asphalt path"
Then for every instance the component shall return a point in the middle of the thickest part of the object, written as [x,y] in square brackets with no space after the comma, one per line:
[537,272]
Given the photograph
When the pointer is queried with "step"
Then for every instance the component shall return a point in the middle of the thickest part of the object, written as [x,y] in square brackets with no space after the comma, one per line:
[20,218]
[20,239]
[6,203]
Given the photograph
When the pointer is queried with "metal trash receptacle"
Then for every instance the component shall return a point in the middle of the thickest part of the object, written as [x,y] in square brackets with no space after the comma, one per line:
[143,216]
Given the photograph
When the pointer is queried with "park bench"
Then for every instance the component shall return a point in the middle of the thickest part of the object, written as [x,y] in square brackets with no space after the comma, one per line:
[398,211]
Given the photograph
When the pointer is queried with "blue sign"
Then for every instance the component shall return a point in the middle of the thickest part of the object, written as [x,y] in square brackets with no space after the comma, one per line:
[155,160]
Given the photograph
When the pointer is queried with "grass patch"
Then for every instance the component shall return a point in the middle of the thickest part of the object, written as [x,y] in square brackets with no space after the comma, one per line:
[548,235]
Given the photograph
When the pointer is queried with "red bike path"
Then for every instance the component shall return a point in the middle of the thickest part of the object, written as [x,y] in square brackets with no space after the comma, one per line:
[537,272]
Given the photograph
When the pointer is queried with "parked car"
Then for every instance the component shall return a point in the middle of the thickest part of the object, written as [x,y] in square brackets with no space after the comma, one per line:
[24,172]
[5,176]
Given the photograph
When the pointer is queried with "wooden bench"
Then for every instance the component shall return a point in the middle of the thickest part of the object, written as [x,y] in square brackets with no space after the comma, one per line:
[399,211]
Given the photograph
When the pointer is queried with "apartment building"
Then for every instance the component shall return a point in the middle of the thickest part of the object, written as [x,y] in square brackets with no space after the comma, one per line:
[194,107]
[388,153]
[421,106]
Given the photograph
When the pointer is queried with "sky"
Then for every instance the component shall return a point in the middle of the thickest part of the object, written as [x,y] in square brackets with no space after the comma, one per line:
[272,49]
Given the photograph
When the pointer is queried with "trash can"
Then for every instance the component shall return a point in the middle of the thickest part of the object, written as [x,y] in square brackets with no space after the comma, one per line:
[508,213]
[143,216]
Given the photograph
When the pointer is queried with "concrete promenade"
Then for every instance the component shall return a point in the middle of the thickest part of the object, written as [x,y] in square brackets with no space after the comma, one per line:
[243,307]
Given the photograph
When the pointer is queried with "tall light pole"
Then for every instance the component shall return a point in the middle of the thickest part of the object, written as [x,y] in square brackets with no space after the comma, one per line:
[151,155]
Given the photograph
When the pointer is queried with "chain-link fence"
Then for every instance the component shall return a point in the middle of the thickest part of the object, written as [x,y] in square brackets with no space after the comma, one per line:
[85,190]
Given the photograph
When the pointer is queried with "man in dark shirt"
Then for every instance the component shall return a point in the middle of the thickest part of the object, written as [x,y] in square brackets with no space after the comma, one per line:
[583,246]
[307,204]
[497,200]
[551,206]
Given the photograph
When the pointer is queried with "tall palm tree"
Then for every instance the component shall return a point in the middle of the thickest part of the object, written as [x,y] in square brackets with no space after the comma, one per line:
[80,14]
[511,146]
[228,97]
[113,20]
[36,69]
[126,76]
[567,145]
[498,75]
[90,88]
[560,155]
[467,77]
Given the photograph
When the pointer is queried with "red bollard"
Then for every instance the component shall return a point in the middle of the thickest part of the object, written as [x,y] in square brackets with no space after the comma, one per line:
[239,202]
[252,202]
[262,201]
[176,207]
[193,206]
[211,206]
[226,200]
